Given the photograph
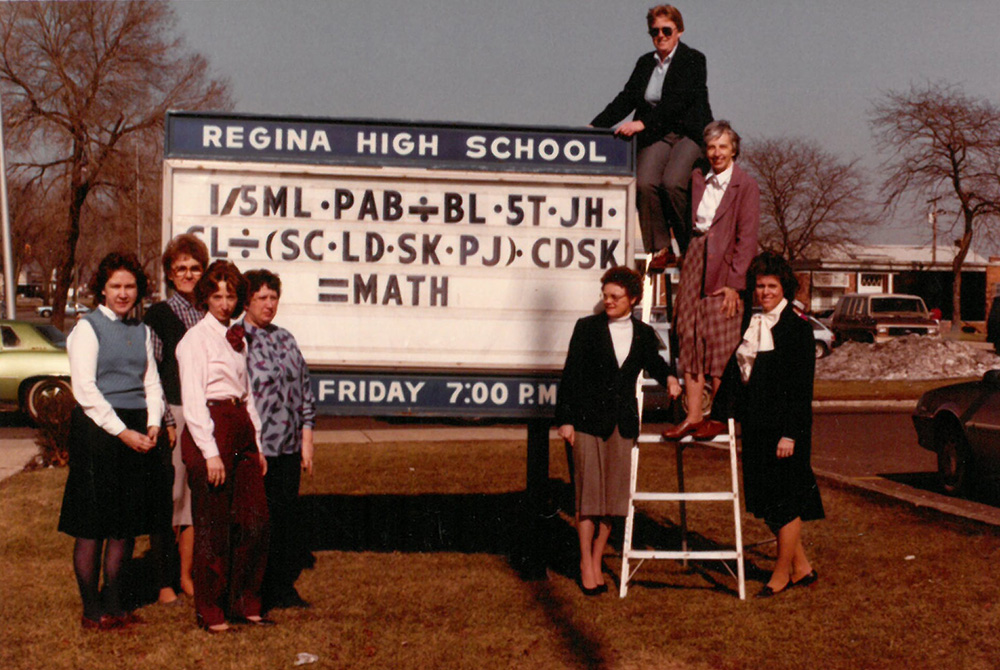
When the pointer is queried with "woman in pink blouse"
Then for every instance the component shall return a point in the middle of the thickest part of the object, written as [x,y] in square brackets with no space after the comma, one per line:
[225,467]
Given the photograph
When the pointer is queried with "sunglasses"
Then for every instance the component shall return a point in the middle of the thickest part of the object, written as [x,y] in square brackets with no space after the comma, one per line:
[666,30]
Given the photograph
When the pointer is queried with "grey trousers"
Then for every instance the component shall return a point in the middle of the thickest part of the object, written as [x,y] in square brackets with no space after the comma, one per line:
[663,181]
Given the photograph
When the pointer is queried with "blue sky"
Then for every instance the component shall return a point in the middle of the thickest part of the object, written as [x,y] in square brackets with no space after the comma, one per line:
[783,67]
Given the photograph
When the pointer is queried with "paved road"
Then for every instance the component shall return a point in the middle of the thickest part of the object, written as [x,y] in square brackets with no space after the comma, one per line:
[875,450]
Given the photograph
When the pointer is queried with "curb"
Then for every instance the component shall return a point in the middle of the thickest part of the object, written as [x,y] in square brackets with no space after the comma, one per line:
[828,406]
[966,509]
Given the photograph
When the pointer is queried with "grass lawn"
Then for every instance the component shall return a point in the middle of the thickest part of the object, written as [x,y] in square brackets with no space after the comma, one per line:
[413,546]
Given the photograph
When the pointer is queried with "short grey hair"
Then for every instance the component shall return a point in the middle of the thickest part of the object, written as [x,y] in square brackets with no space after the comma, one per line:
[717,128]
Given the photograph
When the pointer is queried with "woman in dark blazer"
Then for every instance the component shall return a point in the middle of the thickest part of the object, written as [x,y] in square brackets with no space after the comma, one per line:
[776,361]
[669,95]
[598,415]
[725,217]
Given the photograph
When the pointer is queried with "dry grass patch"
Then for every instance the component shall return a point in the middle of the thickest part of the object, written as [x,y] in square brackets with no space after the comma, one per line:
[413,544]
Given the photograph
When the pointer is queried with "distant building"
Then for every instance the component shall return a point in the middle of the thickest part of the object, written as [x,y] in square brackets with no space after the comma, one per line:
[897,268]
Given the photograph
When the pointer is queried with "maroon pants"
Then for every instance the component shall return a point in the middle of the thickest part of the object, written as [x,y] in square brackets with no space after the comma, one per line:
[230,521]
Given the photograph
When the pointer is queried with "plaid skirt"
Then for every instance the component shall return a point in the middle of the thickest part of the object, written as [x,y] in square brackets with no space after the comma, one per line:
[707,338]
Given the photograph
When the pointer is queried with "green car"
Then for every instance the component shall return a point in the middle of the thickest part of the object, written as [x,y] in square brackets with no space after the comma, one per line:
[33,364]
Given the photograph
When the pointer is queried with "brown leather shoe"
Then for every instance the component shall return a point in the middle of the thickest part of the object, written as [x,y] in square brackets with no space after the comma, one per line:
[709,429]
[680,430]
[661,259]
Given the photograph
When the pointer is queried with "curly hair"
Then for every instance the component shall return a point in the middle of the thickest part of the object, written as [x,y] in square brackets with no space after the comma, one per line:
[256,279]
[627,278]
[217,273]
[118,260]
[770,264]
[185,244]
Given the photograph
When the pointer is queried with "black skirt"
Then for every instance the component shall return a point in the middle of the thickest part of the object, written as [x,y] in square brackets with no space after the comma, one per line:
[112,490]
[778,490]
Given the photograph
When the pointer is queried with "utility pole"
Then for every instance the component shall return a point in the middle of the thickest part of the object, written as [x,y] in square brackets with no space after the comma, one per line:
[932,219]
[10,287]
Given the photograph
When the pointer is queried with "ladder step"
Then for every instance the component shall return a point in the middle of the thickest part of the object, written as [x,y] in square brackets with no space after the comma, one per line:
[650,438]
[667,497]
[708,555]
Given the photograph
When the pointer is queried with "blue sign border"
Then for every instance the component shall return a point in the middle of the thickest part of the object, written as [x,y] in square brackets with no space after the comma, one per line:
[432,145]
[389,394]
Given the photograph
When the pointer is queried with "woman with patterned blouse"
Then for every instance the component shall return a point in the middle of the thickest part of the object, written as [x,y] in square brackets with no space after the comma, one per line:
[280,380]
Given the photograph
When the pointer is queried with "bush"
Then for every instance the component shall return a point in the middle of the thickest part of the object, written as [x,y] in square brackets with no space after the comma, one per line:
[53,430]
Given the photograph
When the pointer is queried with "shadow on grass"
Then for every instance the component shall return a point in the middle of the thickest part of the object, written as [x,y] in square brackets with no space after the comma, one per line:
[665,535]
[501,524]
[497,524]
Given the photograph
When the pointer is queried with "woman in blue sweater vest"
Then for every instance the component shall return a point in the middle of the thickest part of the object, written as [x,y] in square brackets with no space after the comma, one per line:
[115,489]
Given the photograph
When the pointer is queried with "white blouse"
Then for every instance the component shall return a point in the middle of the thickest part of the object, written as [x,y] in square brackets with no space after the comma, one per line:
[82,346]
[715,188]
[211,369]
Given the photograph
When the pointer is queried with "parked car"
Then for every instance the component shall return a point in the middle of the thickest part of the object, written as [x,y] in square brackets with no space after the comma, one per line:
[961,424]
[72,309]
[33,364]
[878,317]
[823,336]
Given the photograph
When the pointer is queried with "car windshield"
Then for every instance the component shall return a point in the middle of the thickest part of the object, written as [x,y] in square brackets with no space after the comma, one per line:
[54,336]
[896,305]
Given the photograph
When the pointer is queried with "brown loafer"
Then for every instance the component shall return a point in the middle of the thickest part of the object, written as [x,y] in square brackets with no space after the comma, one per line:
[710,429]
[682,429]
[661,259]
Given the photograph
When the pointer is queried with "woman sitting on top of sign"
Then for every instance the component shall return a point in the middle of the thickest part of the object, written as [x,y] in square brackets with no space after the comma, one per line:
[668,94]
[598,415]
[726,218]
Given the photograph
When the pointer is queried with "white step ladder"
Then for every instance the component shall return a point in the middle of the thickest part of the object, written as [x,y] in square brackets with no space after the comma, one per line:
[683,497]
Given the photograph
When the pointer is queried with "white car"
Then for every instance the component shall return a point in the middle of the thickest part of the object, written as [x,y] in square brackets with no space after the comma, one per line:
[823,335]
[71,310]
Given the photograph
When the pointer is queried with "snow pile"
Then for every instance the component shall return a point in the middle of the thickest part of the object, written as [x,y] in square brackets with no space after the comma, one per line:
[909,357]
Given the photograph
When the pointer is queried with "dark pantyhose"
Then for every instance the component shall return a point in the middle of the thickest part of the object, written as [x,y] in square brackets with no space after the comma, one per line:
[87,565]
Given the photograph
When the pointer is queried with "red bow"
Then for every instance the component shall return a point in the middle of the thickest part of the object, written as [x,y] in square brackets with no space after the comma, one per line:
[235,335]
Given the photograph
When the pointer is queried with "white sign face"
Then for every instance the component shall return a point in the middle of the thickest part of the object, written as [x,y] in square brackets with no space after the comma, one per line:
[413,269]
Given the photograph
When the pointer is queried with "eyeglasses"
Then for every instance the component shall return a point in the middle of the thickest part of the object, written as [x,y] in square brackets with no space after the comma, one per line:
[611,296]
[666,30]
[192,270]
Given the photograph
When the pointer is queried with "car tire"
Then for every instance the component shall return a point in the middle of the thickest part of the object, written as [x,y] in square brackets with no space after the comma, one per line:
[821,350]
[954,458]
[42,388]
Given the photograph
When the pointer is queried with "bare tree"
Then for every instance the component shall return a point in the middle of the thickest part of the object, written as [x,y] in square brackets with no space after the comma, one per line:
[942,142]
[811,201]
[81,77]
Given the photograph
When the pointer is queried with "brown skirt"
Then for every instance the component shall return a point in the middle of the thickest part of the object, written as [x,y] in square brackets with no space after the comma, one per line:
[601,470]
[707,338]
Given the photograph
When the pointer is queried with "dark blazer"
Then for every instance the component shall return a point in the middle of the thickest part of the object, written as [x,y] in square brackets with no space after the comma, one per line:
[170,329]
[732,239]
[777,403]
[683,108]
[595,395]
[778,396]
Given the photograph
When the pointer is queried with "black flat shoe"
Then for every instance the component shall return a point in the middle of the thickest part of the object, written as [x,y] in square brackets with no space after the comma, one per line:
[596,591]
[768,592]
[807,580]
[263,621]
